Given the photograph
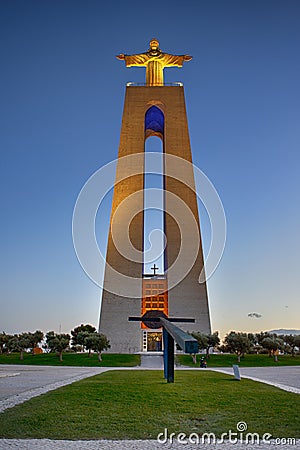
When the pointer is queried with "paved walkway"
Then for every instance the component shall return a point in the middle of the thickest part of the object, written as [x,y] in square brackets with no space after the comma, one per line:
[46,444]
[20,383]
[152,362]
[286,377]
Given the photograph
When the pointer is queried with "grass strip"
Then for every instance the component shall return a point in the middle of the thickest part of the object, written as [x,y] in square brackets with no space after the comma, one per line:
[73,359]
[220,360]
[124,360]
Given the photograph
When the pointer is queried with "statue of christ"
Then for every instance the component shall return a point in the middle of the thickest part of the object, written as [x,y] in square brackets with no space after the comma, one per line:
[155,61]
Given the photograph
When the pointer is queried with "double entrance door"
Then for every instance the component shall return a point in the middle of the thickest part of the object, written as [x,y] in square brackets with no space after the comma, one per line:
[154,341]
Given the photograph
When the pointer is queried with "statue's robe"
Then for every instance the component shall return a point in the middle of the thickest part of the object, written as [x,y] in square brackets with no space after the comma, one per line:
[155,62]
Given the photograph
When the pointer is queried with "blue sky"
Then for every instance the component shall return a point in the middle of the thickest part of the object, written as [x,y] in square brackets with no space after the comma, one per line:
[61,102]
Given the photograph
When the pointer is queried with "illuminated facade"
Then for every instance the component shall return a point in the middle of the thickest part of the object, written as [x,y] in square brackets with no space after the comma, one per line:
[154,298]
[154,295]
[153,109]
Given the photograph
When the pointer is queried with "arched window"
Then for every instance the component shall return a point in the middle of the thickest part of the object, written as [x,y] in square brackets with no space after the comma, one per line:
[154,122]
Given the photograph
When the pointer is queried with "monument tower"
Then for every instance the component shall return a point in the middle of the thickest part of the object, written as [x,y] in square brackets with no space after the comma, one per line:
[153,109]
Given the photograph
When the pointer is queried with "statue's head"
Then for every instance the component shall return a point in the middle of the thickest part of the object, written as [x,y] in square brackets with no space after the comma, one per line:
[154,44]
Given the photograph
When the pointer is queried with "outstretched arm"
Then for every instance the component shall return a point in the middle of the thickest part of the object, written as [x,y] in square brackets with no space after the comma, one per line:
[133,60]
[174,60]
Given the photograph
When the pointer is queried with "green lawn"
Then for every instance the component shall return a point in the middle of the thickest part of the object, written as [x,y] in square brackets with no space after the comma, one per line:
[73,359]
[140,404]
[121,360]
[247,361]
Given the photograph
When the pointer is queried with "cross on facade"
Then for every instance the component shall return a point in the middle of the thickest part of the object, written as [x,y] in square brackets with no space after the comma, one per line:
[154,268]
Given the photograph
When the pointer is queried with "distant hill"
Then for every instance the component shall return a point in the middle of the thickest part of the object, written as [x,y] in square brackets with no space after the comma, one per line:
[283,331]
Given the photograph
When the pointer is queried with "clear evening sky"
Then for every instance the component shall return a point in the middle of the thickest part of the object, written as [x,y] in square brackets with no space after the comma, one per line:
[61,101]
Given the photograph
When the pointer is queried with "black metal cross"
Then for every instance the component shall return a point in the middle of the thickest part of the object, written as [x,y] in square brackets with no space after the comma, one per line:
[171,333]
[154,268]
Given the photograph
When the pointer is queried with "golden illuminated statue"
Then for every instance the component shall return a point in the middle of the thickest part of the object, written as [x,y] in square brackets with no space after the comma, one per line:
[155,61]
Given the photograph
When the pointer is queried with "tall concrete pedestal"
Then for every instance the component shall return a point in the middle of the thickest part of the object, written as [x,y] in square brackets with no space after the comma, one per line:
[188,298]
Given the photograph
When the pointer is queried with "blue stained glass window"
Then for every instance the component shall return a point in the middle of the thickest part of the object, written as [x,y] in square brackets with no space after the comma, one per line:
[154,120]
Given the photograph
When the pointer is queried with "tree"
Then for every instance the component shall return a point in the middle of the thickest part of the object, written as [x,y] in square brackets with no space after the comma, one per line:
[213,341]
[97,342]
[19,343]
[4,338]
[297,341]
[206,341]
[202,342]
[237,343]
[255,347]
[35,339]
[273,344]
[81,339]
[291,342]
[57,342]
[78,338]
[263,335]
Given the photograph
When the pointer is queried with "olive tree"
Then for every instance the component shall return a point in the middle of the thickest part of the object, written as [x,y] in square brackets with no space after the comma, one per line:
[97,342]
[206,342]
[238,343]
[19,343]
[4,338]
[35,338]
[201,338]
[57,342]
[273,345]
[78,335]
[291,341]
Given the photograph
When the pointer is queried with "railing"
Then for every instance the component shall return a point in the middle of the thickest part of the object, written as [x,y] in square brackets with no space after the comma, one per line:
[156,277]
[175,83]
